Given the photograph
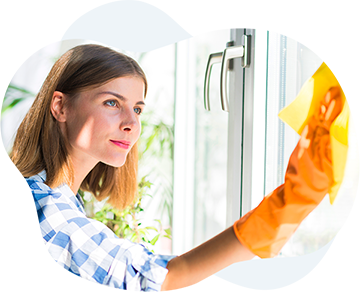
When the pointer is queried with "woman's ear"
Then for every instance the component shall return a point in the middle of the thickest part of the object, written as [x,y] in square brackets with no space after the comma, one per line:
[57,106]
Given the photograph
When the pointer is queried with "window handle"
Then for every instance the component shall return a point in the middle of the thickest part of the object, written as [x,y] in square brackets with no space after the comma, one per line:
[229,54]
[213,59]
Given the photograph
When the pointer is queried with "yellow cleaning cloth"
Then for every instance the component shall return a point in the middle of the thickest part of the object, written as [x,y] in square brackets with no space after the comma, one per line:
[298,113]
[341,67]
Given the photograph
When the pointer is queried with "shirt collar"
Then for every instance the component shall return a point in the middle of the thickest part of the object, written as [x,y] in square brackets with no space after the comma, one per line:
[42,175]
[65,189]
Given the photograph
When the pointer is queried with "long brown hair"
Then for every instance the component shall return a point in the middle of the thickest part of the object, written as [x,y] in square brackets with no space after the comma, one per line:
[39,144]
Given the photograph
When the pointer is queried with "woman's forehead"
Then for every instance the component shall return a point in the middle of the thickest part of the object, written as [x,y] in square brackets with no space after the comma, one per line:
[123,87]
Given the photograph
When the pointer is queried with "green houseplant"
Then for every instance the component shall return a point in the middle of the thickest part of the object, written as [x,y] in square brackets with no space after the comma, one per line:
[13,96]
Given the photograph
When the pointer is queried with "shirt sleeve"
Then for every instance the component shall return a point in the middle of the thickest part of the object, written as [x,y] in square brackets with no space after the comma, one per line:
[90,249]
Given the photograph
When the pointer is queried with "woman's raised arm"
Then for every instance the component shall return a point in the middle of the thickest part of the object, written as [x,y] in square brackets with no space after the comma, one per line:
[264,230]
[205,260]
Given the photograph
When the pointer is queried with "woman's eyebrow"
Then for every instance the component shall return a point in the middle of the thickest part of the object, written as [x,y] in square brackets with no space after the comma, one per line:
[122,98]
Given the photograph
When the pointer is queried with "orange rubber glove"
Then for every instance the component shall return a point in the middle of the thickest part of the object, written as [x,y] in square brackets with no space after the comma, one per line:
[309,175]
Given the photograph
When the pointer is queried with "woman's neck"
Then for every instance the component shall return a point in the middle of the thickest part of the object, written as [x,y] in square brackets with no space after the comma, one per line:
[81,166]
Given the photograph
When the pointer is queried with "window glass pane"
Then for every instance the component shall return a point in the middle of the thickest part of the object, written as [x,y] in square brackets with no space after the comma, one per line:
[210,143]
[295,53]
[290,64]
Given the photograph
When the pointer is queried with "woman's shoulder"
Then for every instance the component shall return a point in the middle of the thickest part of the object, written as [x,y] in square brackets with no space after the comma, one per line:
[37,184]
[59,196]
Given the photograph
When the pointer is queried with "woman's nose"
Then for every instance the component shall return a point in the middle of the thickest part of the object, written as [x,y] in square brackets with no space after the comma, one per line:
[130,123]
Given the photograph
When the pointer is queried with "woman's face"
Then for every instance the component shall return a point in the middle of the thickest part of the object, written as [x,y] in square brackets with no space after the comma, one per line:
[103,124]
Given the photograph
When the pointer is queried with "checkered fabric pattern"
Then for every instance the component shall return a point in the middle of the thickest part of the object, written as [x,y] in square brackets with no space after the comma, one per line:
[90,249]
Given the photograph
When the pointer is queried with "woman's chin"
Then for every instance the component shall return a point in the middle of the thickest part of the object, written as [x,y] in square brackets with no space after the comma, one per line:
[115,163]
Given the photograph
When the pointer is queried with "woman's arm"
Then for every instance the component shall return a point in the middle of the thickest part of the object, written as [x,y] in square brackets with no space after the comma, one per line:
[206,259]
[268,227]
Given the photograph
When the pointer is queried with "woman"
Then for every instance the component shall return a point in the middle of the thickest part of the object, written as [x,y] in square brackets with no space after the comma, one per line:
[81,133]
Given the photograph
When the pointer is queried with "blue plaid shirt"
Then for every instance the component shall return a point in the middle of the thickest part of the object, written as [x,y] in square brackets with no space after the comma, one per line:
[87,247]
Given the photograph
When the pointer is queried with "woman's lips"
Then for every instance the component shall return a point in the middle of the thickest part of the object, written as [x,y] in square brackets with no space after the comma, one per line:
[121,143]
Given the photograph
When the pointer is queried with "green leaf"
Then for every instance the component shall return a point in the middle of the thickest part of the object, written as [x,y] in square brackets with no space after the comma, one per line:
[151,228]
[142,232]
[11,105]
[21,89]
[168,231]
[155,239]
[133,236]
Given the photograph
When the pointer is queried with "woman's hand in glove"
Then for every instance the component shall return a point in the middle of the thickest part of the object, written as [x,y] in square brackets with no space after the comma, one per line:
[265,229]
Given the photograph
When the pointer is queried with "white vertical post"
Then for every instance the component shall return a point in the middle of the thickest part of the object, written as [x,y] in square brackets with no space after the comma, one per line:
[259,117]
[184,149]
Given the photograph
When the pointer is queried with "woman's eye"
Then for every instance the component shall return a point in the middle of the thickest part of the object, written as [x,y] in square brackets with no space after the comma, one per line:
[137,110]
[111,103]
